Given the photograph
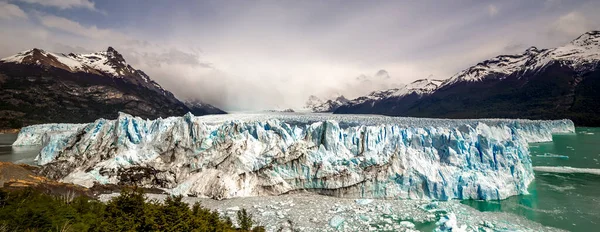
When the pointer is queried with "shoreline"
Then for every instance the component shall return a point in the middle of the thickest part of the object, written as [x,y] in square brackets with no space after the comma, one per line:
[10,131]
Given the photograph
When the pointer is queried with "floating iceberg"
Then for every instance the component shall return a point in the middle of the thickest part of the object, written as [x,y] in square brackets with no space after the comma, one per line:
[550,155]
[565,169]
[226,156]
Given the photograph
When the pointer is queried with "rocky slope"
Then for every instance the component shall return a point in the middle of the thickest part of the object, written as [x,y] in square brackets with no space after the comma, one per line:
[42,87]
[537,84]
[198,107]
[416,89]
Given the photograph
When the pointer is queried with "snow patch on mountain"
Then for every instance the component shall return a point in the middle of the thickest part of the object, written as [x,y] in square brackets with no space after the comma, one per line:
[420,87]
[41,57]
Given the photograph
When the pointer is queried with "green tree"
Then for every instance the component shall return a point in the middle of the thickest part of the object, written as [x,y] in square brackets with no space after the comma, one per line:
[244,220]
[32,210]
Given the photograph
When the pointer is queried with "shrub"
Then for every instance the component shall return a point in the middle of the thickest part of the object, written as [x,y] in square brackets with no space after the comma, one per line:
[31,210]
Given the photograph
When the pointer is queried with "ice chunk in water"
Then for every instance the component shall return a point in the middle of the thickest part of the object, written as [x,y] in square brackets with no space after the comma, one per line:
[448,223]
[337,221]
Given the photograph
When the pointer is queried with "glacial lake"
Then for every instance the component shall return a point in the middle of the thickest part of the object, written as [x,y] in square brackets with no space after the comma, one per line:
[558,199]
[8,153]
[569,201]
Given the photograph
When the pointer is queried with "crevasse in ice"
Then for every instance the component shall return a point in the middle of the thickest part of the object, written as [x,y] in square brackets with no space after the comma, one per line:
[268,154]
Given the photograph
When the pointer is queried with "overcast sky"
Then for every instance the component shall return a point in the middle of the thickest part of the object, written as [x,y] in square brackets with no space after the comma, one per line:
[273,54]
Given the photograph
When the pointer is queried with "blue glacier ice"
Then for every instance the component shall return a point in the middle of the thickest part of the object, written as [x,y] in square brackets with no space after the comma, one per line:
[448,223]
[360,156]
[35,134]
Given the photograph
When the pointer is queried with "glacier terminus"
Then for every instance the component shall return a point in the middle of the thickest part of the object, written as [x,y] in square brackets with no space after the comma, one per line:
[355,156]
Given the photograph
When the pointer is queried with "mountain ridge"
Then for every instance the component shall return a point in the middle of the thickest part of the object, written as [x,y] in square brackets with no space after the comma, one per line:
[316,105]
[44,87]
[565,77]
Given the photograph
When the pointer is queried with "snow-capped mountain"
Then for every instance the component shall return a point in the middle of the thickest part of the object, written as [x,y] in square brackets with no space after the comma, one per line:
[497,67]
[313,102]
[109,63]
[382,74]
[317,105]
[581,54]
[537,83]
[351,88]
[419,87]
[40,86]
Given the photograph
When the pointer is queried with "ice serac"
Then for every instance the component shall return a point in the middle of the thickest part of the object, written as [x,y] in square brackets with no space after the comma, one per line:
[229,156]
[34,135]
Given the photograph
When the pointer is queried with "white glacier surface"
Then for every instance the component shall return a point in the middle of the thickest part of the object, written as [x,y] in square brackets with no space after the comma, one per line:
[241,155]
[33,135]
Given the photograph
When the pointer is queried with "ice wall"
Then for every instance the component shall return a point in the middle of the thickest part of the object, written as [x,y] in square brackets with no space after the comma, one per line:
[32,135]
[351,156]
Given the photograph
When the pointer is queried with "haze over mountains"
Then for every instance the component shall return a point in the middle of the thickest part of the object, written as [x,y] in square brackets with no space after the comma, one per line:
[42,87]
[552,83]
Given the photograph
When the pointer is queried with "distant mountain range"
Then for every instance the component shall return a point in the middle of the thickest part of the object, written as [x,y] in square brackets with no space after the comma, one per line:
[37,86]
[358,86]
[555,83]
[315,104]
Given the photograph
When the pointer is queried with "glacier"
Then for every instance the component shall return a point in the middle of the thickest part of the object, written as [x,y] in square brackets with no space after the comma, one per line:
[240,155]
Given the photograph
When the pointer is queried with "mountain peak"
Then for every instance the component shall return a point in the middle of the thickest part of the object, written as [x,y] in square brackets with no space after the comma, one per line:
[532,50]
[593,33]
[36,50]
[590,38]
[341,98]
[114,56]
[34,53]
[39,57]
[382,74]
[110,63]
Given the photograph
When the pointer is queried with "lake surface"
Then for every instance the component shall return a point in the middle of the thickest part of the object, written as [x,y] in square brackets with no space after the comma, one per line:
[8,153]
[568,201]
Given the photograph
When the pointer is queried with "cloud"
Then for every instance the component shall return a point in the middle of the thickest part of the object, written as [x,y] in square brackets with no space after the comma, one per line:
[492,10]
[514,48]
[10,11]
[551,3]
[258,55]
[569,25]
[65,48]
[172,56]
[69,26]
[64,4]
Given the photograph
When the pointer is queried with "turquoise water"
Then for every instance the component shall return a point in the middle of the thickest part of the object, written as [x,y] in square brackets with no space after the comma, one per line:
[562,200]
[9,153]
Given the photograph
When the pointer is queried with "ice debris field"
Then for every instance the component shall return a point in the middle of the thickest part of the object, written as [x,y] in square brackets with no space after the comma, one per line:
[242,155]
[311,212]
